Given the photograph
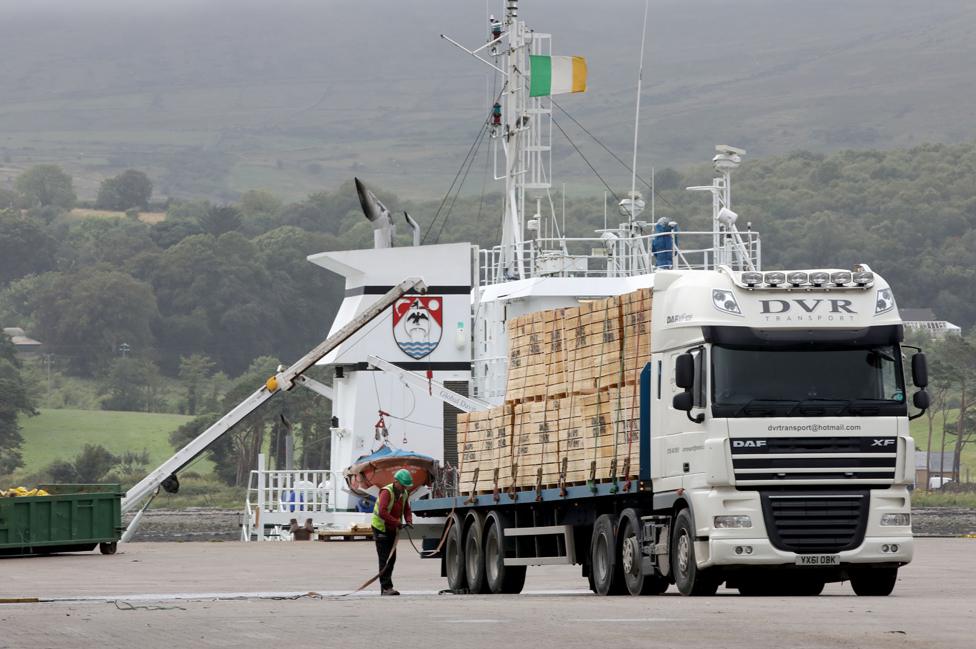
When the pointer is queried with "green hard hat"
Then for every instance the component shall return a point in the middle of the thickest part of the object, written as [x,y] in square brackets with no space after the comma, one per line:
[403,477]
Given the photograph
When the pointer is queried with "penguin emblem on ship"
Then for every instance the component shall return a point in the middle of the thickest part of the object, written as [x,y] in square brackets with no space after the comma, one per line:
[417,324]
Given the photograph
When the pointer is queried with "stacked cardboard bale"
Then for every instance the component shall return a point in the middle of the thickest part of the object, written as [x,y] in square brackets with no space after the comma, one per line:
[571,412]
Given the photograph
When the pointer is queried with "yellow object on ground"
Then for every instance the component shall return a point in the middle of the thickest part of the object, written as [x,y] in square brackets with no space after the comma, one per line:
[19,492]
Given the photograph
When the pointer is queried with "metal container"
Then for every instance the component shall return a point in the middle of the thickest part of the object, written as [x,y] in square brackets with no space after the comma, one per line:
[73,518]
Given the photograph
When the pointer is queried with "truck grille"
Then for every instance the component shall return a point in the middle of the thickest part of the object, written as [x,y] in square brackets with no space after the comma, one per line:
[813,523]
[769,461]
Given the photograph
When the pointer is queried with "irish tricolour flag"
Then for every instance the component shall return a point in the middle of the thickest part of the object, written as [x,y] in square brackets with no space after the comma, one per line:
[556,75]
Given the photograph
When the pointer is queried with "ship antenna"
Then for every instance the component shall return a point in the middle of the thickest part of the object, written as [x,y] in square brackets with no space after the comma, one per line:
[640,77]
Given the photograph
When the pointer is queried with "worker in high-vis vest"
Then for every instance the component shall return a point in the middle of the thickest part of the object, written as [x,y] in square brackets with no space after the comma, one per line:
[391,506]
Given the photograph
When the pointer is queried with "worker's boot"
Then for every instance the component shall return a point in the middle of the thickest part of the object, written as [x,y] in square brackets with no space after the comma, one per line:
[389,591]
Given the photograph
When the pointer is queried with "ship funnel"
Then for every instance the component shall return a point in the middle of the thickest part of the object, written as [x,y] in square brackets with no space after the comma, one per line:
[414,228]
[379,217]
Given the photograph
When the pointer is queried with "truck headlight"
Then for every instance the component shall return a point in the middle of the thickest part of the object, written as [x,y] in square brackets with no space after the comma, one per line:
[896,520]
[733,522]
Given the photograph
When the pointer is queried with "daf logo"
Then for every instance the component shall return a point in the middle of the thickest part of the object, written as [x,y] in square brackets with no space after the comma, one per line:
[748,443]
[882,442]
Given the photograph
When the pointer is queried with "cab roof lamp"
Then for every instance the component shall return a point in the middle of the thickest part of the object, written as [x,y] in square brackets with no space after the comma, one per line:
[797,278]
[775,278]
[819,278]
[752,278]
[841,278]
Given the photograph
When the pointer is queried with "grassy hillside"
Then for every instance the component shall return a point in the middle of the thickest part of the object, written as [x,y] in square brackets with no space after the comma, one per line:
[215,98]
[920,431]
[61,434]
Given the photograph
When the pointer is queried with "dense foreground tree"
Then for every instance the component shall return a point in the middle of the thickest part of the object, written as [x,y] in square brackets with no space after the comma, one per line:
[15,401]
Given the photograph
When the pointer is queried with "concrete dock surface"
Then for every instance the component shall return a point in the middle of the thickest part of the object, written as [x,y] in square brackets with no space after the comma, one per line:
[239,595]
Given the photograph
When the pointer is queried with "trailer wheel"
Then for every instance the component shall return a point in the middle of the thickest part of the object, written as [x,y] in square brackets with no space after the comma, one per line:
[502,579]
[604,568]
[474,554]
[454,557]
[630,564]
[878,582]
[108,548]
[689,579]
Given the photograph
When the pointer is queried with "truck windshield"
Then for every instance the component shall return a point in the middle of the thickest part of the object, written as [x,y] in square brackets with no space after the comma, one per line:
[807,381]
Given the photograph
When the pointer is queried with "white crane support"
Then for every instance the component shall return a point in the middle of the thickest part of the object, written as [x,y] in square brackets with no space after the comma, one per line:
[317,387]
[283,380]
[459,401]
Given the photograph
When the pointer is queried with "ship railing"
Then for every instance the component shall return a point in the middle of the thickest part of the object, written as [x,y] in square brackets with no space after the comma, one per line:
[276,497]
[611,255]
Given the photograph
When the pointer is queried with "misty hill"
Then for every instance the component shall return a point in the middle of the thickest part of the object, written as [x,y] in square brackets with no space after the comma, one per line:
[212,99]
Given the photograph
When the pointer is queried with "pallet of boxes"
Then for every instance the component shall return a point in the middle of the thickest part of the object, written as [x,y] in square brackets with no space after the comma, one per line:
[571,414]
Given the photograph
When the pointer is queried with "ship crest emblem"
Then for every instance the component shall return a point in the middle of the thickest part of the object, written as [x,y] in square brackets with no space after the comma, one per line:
[417,324]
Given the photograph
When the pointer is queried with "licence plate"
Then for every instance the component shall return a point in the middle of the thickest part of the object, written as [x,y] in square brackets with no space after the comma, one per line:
[818,559]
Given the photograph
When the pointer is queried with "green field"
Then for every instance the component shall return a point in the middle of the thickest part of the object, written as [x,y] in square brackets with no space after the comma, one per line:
[61,434]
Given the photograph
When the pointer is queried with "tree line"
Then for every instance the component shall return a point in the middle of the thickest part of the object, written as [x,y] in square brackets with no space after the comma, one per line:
[215,287]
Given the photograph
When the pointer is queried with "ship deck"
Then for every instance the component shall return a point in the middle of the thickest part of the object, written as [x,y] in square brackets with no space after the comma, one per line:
[257,594]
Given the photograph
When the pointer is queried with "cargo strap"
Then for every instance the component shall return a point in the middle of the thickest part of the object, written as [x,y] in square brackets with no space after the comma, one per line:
[473,496]
[591,483]
[538,485]
[562,477]
[495,495]
[613,476]
[628,482]
[513,491]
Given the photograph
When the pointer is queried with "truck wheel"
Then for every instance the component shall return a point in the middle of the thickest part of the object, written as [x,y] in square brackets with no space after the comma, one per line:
[605,570]
[502,579]
[630,564]
[474,555]
[108,548]
[454,557]
[689,579]
[878,582]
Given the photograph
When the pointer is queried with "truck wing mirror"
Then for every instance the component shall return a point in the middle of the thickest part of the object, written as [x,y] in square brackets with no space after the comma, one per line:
[683,401]
[920,370]
[684,372]
[921,401]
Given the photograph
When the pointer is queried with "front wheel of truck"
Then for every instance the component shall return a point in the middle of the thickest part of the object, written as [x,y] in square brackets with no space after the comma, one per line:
[688,577]
[877,582]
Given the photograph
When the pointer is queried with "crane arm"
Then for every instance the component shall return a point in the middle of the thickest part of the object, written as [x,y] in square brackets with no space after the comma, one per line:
[283,380]
[437,389]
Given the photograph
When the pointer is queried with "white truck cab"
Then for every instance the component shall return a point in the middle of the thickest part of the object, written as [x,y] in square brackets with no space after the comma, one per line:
[779,413]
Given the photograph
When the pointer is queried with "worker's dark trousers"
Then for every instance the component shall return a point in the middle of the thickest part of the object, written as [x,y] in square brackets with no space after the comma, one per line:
[384,548]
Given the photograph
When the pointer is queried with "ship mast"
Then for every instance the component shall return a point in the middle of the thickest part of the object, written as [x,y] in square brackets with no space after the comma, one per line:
[514,98]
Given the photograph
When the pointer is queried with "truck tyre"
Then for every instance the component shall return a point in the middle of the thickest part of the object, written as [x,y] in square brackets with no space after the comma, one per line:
[605,570]
[630,564]
[689,579]
[454,557]
[502,579]
[474,554]
[878,582]
[108,548]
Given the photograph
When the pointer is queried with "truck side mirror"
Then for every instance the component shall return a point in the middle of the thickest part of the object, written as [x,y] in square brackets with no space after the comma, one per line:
[683,401]
[920,370]
[921,400]
[684,372]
